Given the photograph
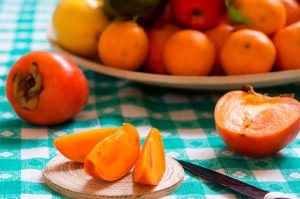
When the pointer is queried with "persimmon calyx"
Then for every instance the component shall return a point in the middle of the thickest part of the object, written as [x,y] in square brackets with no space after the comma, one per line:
[27,88]
[249,89]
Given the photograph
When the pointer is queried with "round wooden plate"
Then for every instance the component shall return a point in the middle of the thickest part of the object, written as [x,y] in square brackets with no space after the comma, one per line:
[68,178]
[199,83]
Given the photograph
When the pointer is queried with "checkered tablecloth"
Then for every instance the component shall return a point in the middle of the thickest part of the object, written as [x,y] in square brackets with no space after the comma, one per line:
[185,119]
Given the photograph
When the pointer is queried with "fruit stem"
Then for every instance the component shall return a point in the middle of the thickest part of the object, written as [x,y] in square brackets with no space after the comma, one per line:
[135,18]
[249,89]
[27,88]
[197,13]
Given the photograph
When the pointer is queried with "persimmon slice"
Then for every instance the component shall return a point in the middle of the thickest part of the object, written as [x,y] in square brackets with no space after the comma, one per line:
[77,146]
[151,164]
[114,156]
[253,124]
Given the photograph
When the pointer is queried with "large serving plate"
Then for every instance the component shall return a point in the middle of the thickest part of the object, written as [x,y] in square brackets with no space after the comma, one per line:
[200,82]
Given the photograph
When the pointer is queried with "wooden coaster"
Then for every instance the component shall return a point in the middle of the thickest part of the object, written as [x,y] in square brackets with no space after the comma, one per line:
[68,178]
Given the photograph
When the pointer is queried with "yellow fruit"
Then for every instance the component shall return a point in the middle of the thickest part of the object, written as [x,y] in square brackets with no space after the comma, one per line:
[78,25]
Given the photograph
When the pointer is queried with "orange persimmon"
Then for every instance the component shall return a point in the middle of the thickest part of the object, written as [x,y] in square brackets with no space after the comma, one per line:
[77,146]
[114,156]
[46,88]
[287,45]
[123,45]
[151,164]
[256,125]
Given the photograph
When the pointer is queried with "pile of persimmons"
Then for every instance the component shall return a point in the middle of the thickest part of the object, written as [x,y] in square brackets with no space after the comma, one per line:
[194,38]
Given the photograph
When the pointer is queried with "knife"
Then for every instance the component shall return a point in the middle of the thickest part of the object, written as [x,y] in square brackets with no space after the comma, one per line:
[231,183]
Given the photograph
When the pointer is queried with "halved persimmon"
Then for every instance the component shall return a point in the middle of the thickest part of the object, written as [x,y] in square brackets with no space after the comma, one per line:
[151,164]
[77,146]
[114,156]
[256,125]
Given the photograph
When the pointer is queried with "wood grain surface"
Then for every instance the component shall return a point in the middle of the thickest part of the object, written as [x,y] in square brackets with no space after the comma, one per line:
[68,178]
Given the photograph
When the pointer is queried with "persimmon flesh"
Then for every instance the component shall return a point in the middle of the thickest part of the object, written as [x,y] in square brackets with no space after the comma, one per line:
[113,157]
[256,125]
[151,164]
[77,146]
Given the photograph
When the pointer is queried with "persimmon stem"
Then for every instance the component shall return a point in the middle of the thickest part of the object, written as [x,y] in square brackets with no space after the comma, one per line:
[249,89]
[27,88]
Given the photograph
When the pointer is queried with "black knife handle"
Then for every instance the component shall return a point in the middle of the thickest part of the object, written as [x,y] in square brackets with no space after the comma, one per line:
[226,181]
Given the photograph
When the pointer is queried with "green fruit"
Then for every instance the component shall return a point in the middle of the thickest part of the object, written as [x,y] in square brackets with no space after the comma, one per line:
[146,11]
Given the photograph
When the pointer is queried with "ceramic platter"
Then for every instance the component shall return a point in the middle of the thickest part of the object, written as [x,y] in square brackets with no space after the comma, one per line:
[199,83]
[68,178]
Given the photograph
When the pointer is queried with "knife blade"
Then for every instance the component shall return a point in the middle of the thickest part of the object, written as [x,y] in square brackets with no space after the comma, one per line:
[231,183]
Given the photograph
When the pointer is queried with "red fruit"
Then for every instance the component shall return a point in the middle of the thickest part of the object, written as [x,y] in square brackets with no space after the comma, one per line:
[198,14]
[46,88]
[158,37]
[218,35]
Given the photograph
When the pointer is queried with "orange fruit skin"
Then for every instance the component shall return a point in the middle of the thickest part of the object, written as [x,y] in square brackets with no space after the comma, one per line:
[218,36]
[287,42]
[267,16]
[262,135]
[247,52]
[60,99]
[123,45]
[157,39]
[189,53]
[292,8]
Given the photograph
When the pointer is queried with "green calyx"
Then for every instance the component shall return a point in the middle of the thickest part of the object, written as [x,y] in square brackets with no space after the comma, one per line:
[234,15]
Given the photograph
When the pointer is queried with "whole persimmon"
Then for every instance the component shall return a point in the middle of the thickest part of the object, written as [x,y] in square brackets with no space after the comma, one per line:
[267,16]
[287,45]
[256,125]
[123,45]
[189,53]
[46,88]
[197,14]
[158,37]
[247,52]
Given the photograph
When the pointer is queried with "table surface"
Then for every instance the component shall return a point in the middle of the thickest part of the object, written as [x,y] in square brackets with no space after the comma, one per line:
[185,119]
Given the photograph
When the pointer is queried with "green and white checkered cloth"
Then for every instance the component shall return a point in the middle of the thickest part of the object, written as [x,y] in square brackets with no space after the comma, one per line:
[185,119]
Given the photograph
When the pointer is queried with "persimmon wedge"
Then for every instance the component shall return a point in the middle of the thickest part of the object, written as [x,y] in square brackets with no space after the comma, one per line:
[114,156]
[151,164]
[77,146]
[256,125]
